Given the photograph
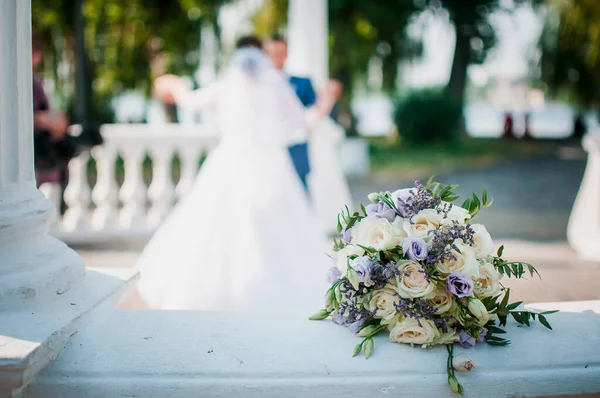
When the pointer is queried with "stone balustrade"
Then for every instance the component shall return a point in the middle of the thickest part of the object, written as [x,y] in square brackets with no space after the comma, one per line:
[583,231]
[120,201]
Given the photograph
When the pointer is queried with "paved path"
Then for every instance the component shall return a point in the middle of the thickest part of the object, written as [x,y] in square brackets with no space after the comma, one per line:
[532,196]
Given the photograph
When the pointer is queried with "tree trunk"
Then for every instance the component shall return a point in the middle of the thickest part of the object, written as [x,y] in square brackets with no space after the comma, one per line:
[458,75]
[82,81]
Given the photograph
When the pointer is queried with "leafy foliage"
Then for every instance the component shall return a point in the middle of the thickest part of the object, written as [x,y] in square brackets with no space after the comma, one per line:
[427,117]
[570,62]
[128,43]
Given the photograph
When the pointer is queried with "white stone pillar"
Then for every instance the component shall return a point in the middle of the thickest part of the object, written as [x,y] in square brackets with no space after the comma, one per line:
[308,40]
[34,268]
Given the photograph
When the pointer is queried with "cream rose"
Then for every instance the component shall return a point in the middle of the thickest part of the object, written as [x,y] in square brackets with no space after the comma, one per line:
[456,213]
[376,233]
[442,301]
[461,261]
[421,223]
[412,281]
[482,241]
[341,257]
[409,331]
[488,283]
[383,302]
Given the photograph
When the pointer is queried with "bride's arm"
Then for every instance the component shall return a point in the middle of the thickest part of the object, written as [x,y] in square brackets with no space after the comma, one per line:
[172,89]
[201,98]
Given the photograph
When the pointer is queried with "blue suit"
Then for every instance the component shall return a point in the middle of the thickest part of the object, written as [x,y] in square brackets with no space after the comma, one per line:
[299,152]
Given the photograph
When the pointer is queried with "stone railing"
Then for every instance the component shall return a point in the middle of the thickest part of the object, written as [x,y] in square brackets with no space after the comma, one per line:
[583,231]
[125,188]
[140,172]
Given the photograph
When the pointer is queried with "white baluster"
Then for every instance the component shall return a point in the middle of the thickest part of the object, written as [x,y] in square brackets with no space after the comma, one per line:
[133,191]
[161,190]
[77,195]
[105,191]
[189,156]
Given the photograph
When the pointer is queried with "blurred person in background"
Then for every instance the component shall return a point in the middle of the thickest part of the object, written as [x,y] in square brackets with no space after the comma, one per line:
[316,157]
[46,121]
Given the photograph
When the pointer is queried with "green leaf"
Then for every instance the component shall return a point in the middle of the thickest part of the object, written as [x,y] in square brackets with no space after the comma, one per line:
[500,250]
[543,321]
[499,343]
[368,347]
[362,208]
[320,315]
[494,329]
[514,305]
[484,196]
[548,312]
[466,204]
[504,302]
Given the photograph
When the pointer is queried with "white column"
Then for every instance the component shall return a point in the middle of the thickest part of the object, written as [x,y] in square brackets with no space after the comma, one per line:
[34,268]
[308,40]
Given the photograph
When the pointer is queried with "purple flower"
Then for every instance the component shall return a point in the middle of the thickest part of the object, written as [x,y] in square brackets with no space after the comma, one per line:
[468,341]
[482,334]
[404,198]
[363,267]
[333,275]
[353,325]
[415,248]
[381,210]
[347,236]
[459,284]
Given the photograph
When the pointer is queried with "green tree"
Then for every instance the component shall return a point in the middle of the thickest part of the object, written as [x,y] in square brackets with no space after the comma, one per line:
[570,43]
[475,36]
[127,44]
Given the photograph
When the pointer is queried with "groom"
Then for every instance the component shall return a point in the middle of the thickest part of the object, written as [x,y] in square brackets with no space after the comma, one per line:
[276,48]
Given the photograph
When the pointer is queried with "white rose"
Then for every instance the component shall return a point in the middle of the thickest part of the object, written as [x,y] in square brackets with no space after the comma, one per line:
[479,311]
[421,223]
[409,331]
[482,241]
[412,281]
[376,233]
[488,283]
[463,261]
[341,257]
[442,301]
[456,213]
[383,302]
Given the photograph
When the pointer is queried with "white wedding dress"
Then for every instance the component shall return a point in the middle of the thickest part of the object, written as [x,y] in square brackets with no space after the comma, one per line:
[327,184]
[245,237]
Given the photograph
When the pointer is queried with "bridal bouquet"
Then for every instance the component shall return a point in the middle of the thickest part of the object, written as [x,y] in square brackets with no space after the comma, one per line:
[413,265]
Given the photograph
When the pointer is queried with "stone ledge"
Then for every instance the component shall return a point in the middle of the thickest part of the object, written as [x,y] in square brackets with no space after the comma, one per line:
[33,337]
[191,354]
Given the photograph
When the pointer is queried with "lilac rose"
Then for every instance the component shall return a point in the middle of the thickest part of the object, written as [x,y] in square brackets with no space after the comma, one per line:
[459,284]
[363,267]
[353,325]
[468,341]
[333,275]
[414,248]
[347,236]
[403,199]
[381,210]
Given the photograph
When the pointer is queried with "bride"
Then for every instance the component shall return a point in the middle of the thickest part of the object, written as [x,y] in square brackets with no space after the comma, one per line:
[245,237]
